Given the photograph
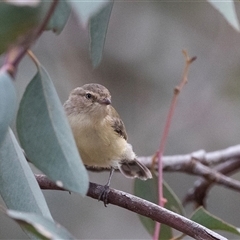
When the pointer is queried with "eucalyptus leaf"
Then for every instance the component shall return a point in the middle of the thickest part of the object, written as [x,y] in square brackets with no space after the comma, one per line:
[149,190]
[7,103]
[98,31]
[203,217]
[18,186]
[16,21]
[60,17]
[86,9]
[40,227]
[46,136]
[227,9]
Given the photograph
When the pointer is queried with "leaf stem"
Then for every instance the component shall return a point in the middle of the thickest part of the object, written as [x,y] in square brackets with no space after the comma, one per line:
[34,58]
[15,55]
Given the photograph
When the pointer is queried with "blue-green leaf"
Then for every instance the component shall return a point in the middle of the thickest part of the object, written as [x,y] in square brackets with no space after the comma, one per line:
[227,9]
[60,17]
[86,9]
[7,103]
[46,136]
[40,227]
[18,186]
[203,217]
[98,31]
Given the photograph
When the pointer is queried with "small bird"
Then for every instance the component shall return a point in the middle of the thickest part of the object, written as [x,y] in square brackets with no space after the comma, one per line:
[100,134]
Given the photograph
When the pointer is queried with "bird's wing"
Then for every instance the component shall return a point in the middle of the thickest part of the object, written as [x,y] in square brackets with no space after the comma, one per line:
[117,124]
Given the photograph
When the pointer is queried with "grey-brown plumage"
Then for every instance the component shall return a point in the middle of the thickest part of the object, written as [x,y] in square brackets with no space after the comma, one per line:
[99,132]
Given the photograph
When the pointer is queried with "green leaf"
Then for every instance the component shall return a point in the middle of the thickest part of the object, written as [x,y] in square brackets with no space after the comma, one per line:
[227,9]
[46,136]
[7,103]
[39,226]
[212,222]
[60,17]
[86,9]
[173,202]
[18,186]
[16,21]
[149,190]
[98,31]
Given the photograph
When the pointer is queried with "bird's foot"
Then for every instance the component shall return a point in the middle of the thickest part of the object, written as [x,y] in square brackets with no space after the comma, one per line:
[104,194]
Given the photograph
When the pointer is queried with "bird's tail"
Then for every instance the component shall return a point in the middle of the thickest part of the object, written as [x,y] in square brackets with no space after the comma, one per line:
[133,169]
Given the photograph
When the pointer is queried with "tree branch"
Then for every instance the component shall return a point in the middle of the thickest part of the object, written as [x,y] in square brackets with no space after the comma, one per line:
[227,161]
[173,163]
[198,193]
[181,162]
[144,208]
[195,164]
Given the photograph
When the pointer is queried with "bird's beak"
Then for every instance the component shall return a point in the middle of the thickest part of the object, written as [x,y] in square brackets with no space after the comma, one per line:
[105,101]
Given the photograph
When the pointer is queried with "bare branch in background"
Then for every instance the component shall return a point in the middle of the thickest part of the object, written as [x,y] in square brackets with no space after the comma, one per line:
[201,187]
[212,166]
[174,163]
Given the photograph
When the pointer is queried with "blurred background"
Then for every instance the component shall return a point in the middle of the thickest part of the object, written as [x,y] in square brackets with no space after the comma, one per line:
[142,63]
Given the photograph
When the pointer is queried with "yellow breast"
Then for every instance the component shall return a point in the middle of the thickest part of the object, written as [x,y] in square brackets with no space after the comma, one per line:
[98,144]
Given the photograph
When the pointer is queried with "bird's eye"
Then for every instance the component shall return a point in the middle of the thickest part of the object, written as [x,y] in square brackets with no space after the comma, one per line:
[88,95]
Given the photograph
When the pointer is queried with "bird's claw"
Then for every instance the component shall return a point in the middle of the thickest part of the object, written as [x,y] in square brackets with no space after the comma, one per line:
[104,195]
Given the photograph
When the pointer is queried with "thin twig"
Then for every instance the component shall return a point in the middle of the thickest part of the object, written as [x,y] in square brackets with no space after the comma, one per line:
[144,208]
[163,141]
